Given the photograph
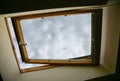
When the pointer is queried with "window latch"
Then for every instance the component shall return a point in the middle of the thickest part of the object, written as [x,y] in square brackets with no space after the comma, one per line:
[20,43]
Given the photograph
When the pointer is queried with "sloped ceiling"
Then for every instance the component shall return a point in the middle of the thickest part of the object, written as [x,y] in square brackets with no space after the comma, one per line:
[12,6]
[113,1]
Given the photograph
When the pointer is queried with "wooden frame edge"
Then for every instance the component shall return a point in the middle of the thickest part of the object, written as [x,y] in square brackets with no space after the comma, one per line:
[38,68]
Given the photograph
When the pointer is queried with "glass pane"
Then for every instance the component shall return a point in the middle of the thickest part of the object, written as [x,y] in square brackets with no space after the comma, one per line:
[58,37]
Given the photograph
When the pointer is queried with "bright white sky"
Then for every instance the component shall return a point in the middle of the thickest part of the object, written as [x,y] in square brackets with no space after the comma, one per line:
[58,37]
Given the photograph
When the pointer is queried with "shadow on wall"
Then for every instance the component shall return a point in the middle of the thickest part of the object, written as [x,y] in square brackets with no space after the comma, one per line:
[1,78]
[12,6]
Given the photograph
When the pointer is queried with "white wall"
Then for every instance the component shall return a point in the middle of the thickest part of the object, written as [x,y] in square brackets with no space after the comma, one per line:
[110,36]
[9,69]
[8,66]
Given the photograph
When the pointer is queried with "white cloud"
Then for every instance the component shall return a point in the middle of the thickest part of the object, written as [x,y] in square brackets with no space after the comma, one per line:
[61,37]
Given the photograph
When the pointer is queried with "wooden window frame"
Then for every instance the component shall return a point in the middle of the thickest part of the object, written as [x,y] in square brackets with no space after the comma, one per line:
[95,39]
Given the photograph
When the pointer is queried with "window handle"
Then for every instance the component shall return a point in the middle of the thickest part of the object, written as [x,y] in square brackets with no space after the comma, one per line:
[20,43]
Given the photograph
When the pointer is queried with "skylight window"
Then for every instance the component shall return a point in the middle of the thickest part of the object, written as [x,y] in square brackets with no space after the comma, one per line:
[57,37]
[68,37]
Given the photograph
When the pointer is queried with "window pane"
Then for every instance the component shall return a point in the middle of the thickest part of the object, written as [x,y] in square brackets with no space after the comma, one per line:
[58,37]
